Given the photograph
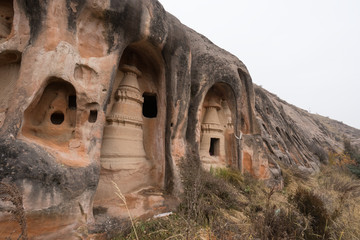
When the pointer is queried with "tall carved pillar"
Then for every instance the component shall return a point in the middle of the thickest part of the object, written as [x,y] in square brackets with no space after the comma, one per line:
[123,147]
[212,146]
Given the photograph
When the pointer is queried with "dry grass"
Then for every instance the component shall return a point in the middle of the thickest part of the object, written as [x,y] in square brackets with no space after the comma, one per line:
[225,204]
[123,202]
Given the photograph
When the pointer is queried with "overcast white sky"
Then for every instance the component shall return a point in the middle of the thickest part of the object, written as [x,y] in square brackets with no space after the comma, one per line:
[305,51]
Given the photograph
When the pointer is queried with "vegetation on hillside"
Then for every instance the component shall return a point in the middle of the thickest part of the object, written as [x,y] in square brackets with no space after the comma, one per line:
[224,204]
[349,158]
[354,154]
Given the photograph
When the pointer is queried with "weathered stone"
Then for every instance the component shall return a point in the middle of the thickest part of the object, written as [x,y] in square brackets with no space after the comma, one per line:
[94,93]
[296,137]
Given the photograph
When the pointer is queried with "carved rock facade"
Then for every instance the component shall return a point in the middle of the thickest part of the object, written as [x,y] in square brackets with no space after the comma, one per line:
[101,92]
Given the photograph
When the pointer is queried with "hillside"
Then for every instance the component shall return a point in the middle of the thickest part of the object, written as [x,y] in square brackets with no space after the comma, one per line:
[295,136]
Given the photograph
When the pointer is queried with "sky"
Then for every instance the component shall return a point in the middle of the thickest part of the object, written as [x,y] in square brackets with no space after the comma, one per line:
[307,52]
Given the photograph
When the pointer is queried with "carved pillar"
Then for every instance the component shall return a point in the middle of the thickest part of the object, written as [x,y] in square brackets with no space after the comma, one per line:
[123,147]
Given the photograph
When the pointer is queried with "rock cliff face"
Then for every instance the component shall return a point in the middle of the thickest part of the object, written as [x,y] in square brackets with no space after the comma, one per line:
[296,137]
[97,93]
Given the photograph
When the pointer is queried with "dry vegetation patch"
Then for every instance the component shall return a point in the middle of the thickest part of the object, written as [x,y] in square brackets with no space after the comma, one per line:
[225,204]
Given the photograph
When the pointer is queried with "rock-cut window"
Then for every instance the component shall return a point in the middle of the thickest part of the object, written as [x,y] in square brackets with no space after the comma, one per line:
[150,105]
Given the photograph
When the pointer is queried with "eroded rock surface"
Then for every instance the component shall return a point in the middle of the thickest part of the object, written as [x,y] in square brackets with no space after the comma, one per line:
[102,93]
[296,137]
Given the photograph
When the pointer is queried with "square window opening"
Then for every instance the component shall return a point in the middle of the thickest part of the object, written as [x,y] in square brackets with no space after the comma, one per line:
[72,102]
[149,109]
[93,116]
[214,149]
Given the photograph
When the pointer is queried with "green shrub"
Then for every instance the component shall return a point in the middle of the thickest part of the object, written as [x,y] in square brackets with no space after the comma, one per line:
[354,169]
[354,154]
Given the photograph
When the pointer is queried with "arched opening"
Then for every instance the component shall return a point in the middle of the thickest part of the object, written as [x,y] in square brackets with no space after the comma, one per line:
[133,147]
[217,146]
[52,115]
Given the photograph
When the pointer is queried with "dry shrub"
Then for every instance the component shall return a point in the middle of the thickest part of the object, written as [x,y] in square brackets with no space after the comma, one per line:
[318,151]
[112,228]
[10,193]
[225,204]
[293,175]
[337,193]
[277,221]
[280,223]
[171,227]
[344,191]
[312,206]
[300,175]
[204,194]
[206,198]
[338,180]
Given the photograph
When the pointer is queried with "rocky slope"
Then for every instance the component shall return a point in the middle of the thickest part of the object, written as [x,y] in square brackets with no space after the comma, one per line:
[295,136]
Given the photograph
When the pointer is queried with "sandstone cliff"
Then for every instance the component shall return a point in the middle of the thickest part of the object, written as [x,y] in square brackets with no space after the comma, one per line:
[101,92]
[295,136]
